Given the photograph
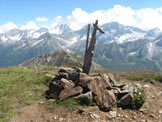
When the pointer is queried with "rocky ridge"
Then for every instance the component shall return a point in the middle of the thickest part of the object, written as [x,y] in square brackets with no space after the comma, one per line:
[60,58]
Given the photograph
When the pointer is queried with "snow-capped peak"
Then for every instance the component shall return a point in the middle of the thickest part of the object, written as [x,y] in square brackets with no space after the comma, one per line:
[59,28]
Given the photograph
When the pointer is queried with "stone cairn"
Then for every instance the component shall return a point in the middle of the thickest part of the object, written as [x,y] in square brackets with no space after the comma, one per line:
[101,88]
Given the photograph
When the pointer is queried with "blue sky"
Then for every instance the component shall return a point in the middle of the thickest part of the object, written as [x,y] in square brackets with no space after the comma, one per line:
[20,12]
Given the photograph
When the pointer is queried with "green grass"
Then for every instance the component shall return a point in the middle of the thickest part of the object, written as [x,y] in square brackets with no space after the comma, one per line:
[69,102]
[18,85]
[140,76]
[72,102]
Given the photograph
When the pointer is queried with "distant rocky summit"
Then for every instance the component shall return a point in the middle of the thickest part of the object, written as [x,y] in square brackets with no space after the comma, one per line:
[59,58]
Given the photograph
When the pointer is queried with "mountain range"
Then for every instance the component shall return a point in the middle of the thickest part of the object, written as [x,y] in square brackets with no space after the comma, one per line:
[121,48]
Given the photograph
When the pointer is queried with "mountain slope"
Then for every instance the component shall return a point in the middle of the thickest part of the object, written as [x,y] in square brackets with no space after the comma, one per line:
[60,58]
[120,48]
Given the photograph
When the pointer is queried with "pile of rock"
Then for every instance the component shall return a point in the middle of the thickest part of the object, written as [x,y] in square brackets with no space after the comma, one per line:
[101,88]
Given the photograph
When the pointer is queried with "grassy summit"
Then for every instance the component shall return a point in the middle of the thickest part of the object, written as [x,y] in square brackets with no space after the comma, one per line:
[22,84]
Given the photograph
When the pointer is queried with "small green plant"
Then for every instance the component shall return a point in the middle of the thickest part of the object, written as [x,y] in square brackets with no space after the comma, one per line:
[137,101]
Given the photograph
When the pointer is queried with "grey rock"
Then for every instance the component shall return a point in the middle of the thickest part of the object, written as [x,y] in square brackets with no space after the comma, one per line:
[70,92]
[94,116]
[61,119]
[160,111]
[66,83]
[126,99]
[113,114]
[130,88]
[74,76]
[87,97]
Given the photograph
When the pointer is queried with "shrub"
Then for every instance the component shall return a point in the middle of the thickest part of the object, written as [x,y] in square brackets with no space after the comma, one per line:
[137,101]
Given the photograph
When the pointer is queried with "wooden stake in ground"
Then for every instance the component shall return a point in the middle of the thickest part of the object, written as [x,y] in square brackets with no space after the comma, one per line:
[90,48]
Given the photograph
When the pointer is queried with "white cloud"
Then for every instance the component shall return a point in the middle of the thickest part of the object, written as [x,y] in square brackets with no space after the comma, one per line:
[149,18]
[29,25]
[146,18]
[54,26]
[7,27]
[41,19]
[57,20]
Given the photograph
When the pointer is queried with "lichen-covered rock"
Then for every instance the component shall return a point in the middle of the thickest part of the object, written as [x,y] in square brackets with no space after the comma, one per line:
[126,99]
[103,97]
[96,85]
[66,83]
[106,100]
[67,69]
[70,92]
[84,79]
[86,98]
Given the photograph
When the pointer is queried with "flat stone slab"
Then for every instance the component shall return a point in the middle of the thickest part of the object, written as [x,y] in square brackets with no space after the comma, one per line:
[70,92]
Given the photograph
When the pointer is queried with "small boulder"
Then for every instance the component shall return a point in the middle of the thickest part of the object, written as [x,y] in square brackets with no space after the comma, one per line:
[86,98]
[111,77]
[113,114]
[66,69]
[106,100]
[126,99]
[97,84]
[94,116]
[70,92]
[84,79]
[64,75]
[66,83]
[55,87]
[131,88]
[74,76]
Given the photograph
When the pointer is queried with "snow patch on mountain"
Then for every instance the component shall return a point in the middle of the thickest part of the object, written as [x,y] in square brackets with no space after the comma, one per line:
[34,34]
[15,38]
[150,49]
[129,37]
[4,39]
[37,42]
[132,53]
[73,40]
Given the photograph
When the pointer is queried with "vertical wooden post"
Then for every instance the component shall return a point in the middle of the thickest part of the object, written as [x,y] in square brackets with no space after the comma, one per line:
[90,50]
[87,44]
[87,41]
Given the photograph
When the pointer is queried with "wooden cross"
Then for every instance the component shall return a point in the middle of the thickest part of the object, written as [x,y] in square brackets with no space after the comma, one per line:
[89,50]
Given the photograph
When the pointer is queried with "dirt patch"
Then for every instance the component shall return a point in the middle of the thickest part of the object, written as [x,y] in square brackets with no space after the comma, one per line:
[31,113]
